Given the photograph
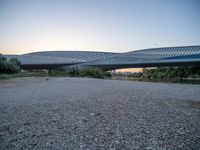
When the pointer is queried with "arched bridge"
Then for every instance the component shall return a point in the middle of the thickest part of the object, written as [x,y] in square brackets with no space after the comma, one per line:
[153,57]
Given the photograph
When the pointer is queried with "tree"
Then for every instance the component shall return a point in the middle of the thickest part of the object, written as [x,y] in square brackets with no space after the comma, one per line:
[9,66]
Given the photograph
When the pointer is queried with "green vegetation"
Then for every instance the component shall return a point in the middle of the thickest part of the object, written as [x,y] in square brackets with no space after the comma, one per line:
[11,69]
[89,72]
[15,75]
[186,74]
[135,75]
[10,66]
[8,76]
[75,72]
[172,72]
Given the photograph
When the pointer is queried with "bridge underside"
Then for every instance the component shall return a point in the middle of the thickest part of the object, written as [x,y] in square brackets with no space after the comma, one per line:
[43,66]
[108,67]
[143,65]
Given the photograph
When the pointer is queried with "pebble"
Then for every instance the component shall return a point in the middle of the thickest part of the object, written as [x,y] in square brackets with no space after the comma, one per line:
[86,113]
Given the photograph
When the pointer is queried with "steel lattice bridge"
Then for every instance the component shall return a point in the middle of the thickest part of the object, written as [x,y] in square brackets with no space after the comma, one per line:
[153,57]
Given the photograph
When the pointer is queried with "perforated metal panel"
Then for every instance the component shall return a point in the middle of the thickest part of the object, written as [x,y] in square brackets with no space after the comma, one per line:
[88,58]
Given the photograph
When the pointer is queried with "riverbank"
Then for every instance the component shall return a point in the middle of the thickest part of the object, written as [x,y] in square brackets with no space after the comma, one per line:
[113,77]
[160,80]
[81,113]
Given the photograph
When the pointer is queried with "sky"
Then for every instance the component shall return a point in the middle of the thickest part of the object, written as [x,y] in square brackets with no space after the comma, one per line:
[97,25]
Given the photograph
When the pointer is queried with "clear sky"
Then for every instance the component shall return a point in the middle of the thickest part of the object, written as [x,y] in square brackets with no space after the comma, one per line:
[97,25]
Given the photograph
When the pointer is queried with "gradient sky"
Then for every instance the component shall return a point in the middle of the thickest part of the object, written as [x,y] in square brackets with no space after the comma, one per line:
[97,25]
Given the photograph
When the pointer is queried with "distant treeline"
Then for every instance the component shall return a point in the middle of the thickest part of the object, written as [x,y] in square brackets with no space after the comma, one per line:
[75,72]
[9,66]
[169,72]
[86,72]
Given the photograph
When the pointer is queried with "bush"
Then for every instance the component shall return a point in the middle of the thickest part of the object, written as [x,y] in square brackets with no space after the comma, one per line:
[9,66]
[171,72]
[135,75]
[89,72]
[75,72]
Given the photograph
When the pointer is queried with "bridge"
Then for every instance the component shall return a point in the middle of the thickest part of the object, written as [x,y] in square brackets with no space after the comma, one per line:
[153,57]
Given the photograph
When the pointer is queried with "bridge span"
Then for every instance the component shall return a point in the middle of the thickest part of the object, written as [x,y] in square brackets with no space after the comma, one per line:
[152,57]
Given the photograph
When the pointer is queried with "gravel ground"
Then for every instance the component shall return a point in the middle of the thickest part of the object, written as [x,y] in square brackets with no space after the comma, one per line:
[83,113]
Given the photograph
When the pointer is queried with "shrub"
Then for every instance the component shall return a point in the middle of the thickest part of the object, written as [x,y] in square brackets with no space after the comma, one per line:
[75,72]
[9,66]
[172,72]
[89,72]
